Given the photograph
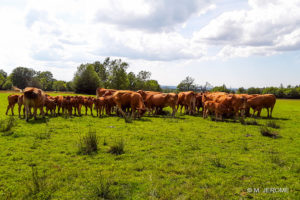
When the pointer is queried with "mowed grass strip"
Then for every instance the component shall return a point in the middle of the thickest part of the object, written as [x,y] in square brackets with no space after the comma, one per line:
[164,158]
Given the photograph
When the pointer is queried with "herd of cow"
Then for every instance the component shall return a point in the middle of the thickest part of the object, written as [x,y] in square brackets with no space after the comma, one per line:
[124,101]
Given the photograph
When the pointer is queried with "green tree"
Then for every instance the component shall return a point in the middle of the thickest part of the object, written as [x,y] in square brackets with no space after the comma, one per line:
[4,74]
[8,84]
[241,90]
[102,71]
[132,81]
[46,80]
[59,86]
[86,80]
[2,80]
[117,75]
[21,76]
[222,88]
[187,84]
[253,90]
[70,86]
[152,85]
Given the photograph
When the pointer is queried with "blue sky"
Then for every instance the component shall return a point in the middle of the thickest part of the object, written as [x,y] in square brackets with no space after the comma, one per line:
[232,42]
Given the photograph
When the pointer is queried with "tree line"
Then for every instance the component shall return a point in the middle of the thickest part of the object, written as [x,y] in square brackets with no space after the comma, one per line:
[111,73]
[289,92]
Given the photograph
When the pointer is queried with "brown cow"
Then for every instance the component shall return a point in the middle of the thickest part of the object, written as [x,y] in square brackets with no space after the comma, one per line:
[12,100]
[146,96]
[159,101]
[99,105]
[106,92]
[259,102]
[188,100]
[20,104]
[125,98]
[198,102]
[67,105]
[88,103]
[109,104]
[214,107]
[59,102]
[50,105]
[34,97]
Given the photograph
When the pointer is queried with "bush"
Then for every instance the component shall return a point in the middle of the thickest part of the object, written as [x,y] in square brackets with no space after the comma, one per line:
[265,131]
[272,124]
[248,122]
[217,162]
[88,143]
[37,186]
[7,124]
[102,188]
[117,148]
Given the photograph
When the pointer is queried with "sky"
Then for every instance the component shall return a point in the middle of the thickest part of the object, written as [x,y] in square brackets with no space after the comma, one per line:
[233,42]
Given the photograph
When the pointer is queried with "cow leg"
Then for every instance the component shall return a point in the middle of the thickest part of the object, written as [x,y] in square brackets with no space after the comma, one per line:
[271,111]
[34,112]
[258,112]
[121,111]
[268,112]
[27,113]
[8,107]
[91,108]
[19,110]
[12,109]
[42,111]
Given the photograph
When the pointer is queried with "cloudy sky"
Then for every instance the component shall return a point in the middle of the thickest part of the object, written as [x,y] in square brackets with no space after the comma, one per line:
[236,42]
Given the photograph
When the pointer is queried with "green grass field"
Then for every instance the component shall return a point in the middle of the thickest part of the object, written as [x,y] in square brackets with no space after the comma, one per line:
[165,158]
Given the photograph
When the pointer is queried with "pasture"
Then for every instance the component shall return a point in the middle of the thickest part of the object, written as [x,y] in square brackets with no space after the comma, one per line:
[186,157]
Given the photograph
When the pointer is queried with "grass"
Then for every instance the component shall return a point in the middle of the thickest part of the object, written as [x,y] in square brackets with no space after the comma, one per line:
[187,157]
[117,148]
[272,124]
[88,144]
[265,131]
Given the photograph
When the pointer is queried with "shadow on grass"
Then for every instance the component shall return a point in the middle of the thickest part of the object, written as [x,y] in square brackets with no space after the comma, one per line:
[39,120]
[275,118]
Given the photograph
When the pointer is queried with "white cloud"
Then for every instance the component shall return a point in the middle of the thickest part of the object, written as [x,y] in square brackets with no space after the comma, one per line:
[151,15]
[267,27]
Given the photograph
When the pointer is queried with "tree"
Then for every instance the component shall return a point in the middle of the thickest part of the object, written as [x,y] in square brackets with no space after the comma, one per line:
[117,75]
[132,81]
[187,84]
[241,90]
[3,73]
[152,85]
[86,80]
[222,88]
[7,85]
[46,80]
[2,80]
[21,76]
[102,71]
[59,86]
[70,86]
[253,90]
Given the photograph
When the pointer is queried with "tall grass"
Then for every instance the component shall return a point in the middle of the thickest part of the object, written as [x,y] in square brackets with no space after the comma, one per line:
[7,124]
[37,186]
[88,143]
[117,148]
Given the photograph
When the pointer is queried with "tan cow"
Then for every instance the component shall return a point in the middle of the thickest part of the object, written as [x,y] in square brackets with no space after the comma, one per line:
[188,100]
[259,102]
[100,92]
[159,101]
[125,98]
[35,98]
[12,100]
